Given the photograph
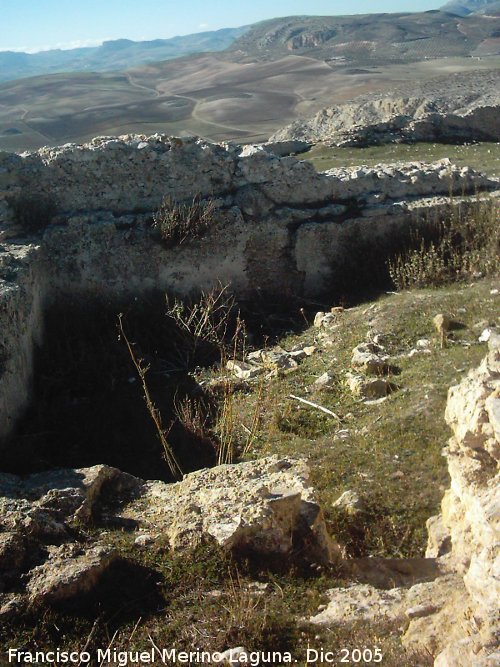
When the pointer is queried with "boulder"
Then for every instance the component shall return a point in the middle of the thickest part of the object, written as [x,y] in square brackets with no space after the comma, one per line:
[242,370]
[324,381]
[263,507]
[69,571]
[284,148]
[350,503]
[369,359]
[370,388]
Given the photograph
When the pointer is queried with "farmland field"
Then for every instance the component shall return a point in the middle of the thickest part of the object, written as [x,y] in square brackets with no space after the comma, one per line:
[208,95]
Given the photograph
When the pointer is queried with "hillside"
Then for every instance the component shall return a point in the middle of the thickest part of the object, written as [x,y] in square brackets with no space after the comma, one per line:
[112,55]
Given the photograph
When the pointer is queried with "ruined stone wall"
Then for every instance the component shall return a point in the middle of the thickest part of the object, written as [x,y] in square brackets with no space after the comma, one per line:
[22,298]
[279,227]
[133,173]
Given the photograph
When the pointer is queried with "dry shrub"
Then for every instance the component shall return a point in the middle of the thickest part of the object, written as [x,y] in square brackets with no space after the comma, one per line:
[206,327]
[465,244]
[179,222]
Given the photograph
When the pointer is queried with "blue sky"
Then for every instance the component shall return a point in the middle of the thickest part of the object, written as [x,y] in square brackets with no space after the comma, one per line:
[33,25]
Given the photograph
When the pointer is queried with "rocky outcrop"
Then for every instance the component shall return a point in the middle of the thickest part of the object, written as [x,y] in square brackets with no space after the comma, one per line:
[470,521]
[265,507]
[452,612]
[446,111]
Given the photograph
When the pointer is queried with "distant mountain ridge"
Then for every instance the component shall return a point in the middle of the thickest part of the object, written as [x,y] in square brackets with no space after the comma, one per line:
[359,39]
[113,55]
[466,7]
[370,39]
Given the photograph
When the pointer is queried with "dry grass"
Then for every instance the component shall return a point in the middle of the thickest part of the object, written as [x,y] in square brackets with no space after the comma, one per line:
[484,156]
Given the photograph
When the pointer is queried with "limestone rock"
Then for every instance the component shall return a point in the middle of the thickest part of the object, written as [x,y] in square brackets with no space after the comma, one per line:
[261,506]
[421,611]
[70,572]
[324,381]
[234,656]
[14,606]
[279,360]
[242,370]
[38,551]
[485,335]
[370,388]
[300,352]
[350,503]
[361,603]
[318,319]
[465,535]
[283,148]
[417,352]
[464,654]
[458,110]
[368,358]
[439,539]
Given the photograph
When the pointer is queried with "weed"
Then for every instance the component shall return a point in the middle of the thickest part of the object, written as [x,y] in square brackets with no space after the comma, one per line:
[178,222]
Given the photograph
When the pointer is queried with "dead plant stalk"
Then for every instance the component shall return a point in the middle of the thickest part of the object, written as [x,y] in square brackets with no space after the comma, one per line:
[152,409]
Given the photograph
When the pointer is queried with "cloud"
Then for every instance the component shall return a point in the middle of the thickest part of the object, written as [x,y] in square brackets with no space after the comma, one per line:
[203,25]
[64,46]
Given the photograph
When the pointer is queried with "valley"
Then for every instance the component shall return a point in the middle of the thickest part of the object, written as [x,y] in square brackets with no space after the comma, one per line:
[274,73]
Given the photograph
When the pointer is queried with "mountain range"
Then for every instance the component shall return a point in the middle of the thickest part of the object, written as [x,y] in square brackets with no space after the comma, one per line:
[376,39]
[113,55]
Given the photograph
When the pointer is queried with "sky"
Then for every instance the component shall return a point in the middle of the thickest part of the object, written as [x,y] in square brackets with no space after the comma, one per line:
[37,25]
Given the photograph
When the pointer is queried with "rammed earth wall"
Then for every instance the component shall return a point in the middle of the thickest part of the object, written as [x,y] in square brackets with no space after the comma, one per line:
[279,227]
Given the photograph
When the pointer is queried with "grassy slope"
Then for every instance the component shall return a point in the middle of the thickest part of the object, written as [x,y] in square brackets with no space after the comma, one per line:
[484,157]
[390,453]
